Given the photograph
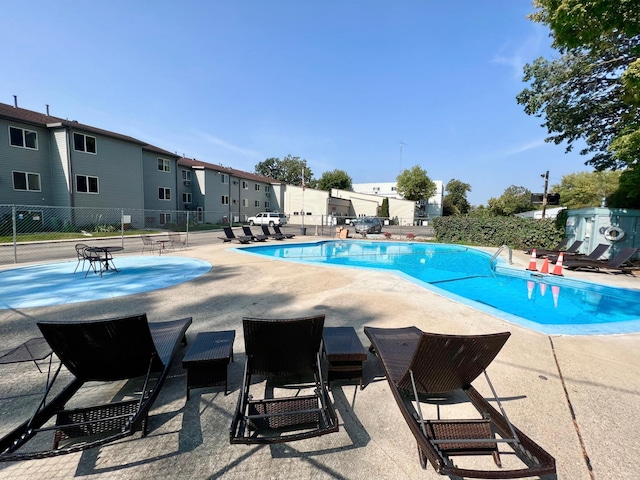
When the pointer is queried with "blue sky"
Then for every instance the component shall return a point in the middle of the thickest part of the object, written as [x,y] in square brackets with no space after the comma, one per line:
[339,83]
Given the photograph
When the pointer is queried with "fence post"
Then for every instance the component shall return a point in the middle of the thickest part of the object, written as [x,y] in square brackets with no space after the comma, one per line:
[15,233]
[187,229]
[122,226]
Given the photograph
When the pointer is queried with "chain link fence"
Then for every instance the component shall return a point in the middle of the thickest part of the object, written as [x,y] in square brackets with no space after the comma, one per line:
[44,233]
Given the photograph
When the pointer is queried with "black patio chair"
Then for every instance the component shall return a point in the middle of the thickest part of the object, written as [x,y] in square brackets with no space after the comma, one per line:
[147,243]
[276,229]
[594,255]
[229,235]
[617,263]
[177,241]
[425,370]
[275,236]
[110,350]
[256,238]
[287,353]
[573,248]
[81,257]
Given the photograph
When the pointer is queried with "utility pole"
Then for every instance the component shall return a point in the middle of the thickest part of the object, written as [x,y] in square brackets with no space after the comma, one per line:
[402,144]
[544,195]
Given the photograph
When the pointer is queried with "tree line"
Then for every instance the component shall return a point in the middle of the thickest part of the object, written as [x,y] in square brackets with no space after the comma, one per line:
[576,190]
[413,184]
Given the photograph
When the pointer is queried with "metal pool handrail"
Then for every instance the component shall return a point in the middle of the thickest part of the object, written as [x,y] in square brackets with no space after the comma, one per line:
[495,256]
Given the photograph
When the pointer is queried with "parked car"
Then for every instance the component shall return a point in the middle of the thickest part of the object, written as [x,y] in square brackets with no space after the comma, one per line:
[268,218]
[368,225]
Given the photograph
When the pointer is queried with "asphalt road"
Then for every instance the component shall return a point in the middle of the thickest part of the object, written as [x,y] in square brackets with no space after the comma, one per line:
[60,250]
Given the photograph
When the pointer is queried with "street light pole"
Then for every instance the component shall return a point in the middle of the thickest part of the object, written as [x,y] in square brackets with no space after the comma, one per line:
[544,195]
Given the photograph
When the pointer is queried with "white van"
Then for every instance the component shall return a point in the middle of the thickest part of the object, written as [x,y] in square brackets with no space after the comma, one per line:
[268,218]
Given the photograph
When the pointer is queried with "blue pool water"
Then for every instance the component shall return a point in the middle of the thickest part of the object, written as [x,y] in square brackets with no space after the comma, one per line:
[546,303]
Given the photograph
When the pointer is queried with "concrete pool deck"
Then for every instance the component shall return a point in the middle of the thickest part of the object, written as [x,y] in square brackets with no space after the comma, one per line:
[601,375]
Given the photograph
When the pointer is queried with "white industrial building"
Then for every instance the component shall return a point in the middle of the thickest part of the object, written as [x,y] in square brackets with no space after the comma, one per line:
[430,208]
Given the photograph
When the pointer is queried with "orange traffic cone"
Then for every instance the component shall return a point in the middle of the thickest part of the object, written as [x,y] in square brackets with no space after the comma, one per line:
[532,263]
[555,290]
[545,266]
[543,289]
[530,286]
[557,270]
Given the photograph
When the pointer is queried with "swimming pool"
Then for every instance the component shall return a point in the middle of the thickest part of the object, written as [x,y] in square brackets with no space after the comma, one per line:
[546,303]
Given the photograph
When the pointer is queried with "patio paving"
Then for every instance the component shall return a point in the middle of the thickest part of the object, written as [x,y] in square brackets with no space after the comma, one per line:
[540,378]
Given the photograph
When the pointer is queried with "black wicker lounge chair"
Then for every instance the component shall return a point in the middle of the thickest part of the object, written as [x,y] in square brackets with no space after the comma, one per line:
[560,247]
[425,367]
[276,229]
[616,263]
[594,255]
[256,238]
[573,248]
[287,353]
[108,350]
[275,236]
[229,235]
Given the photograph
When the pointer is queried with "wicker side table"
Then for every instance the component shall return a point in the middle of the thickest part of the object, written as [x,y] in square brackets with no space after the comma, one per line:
[344,353]
[207,360]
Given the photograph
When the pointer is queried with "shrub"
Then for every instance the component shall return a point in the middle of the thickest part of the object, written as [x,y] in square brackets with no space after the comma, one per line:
[493,231]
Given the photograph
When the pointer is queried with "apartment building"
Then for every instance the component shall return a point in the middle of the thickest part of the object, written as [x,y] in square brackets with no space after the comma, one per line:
[49,161]
[55,162]
[222,194]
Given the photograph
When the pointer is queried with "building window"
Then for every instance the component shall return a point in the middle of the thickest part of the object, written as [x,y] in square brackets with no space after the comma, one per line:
[186,198]
[225,178]
[19,137]
[164,193]
[245,202]
[224,200]
[84,143]
[256,203]
[165,218]
[26,181]
[266,188]
[393,189]
[86,184]
[186,175]
[257,187]
[267,205]
[164,165]
[245,185]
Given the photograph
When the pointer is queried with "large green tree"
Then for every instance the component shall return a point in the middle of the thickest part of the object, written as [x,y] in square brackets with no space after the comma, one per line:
[586,189]
[414,184]
[592,91]
[384,208]
[514,200]
[628,193]
[455,201]
[581,98]
[335,179]
[581,23]
[288,170]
